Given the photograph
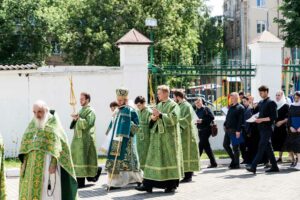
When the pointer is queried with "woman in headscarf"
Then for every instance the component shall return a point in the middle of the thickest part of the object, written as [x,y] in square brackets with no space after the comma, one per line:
[280,131]
[292,144]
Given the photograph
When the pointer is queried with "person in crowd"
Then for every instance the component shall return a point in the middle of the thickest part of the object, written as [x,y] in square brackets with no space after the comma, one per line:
[47,170]
[292,143]
[253,140]
[122,162]
[266,119]
[205,118]
[113,106]
[164,163]
[83,147]
[241,96]
[280,131]
[233,127]
[188,137]
[105,145]
[143,134]
[247,147]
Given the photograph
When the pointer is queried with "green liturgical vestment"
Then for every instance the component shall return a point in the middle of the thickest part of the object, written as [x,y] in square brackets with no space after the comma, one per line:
[143,135]
[36,144]
[83,145]
[2,175]
[188,136]
[164,160]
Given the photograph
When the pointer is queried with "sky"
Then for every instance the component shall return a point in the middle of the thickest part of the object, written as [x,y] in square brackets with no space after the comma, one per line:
[216,7]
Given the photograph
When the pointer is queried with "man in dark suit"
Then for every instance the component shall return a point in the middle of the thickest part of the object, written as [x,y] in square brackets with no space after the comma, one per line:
[267,115]
[233,127]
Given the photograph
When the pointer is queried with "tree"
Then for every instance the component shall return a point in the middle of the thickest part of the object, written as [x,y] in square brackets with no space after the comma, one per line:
[95,27]
[27,28]
[211,37]
[88,29]
[291,22]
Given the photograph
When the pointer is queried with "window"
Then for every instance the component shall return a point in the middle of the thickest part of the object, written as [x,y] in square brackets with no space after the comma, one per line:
[225,6]
[260,3]
[261,26]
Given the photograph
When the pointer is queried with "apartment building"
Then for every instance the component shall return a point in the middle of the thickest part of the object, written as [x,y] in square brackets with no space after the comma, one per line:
[245,20]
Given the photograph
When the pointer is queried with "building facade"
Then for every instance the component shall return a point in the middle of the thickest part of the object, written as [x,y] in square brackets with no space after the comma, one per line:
[245,20]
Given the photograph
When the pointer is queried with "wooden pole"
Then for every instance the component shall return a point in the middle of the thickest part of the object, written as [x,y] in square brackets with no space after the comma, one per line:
[114,166]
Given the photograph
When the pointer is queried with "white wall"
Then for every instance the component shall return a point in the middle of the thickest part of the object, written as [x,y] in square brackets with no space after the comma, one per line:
[19,93]
[268,58]
[20,89]
[217,142]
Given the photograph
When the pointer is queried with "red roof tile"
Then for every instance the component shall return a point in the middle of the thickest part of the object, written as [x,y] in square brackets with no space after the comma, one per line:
[134,37]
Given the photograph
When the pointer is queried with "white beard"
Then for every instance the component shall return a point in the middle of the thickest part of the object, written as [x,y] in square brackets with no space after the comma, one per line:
[41,123]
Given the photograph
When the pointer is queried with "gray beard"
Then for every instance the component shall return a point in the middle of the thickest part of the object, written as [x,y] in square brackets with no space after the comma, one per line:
[41,123]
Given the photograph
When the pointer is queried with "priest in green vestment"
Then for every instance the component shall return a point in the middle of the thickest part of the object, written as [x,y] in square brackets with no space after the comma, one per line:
[2,175]
[83,145]
[143,134]
[188,136]
[47,170]
[122,161]
[164,165]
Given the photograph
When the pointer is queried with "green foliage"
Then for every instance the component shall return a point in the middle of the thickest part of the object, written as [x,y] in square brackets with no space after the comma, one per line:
[290,23]
[27,27]
[88,29]
[95,27]
[211,37]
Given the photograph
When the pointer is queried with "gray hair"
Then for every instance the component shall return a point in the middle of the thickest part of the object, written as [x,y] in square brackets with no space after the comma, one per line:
[41,104]
[280,92]
[164,88]
[235,94]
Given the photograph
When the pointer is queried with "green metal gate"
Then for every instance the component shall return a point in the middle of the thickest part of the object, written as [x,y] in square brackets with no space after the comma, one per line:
[211,76]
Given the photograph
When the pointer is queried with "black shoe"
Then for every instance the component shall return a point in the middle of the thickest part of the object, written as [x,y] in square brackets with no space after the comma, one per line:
[186,180]
[242,163]
[96,178]
[279,160]
[139,184]
[273,170]
[250,169]
[81,182]
[144,189]
[170,190]
[293,164]
[212,166]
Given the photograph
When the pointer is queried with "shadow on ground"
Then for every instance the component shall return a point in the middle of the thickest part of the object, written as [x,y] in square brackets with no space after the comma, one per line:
[144,196]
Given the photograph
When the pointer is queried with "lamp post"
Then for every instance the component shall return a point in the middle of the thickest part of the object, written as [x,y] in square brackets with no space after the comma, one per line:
[151,23]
